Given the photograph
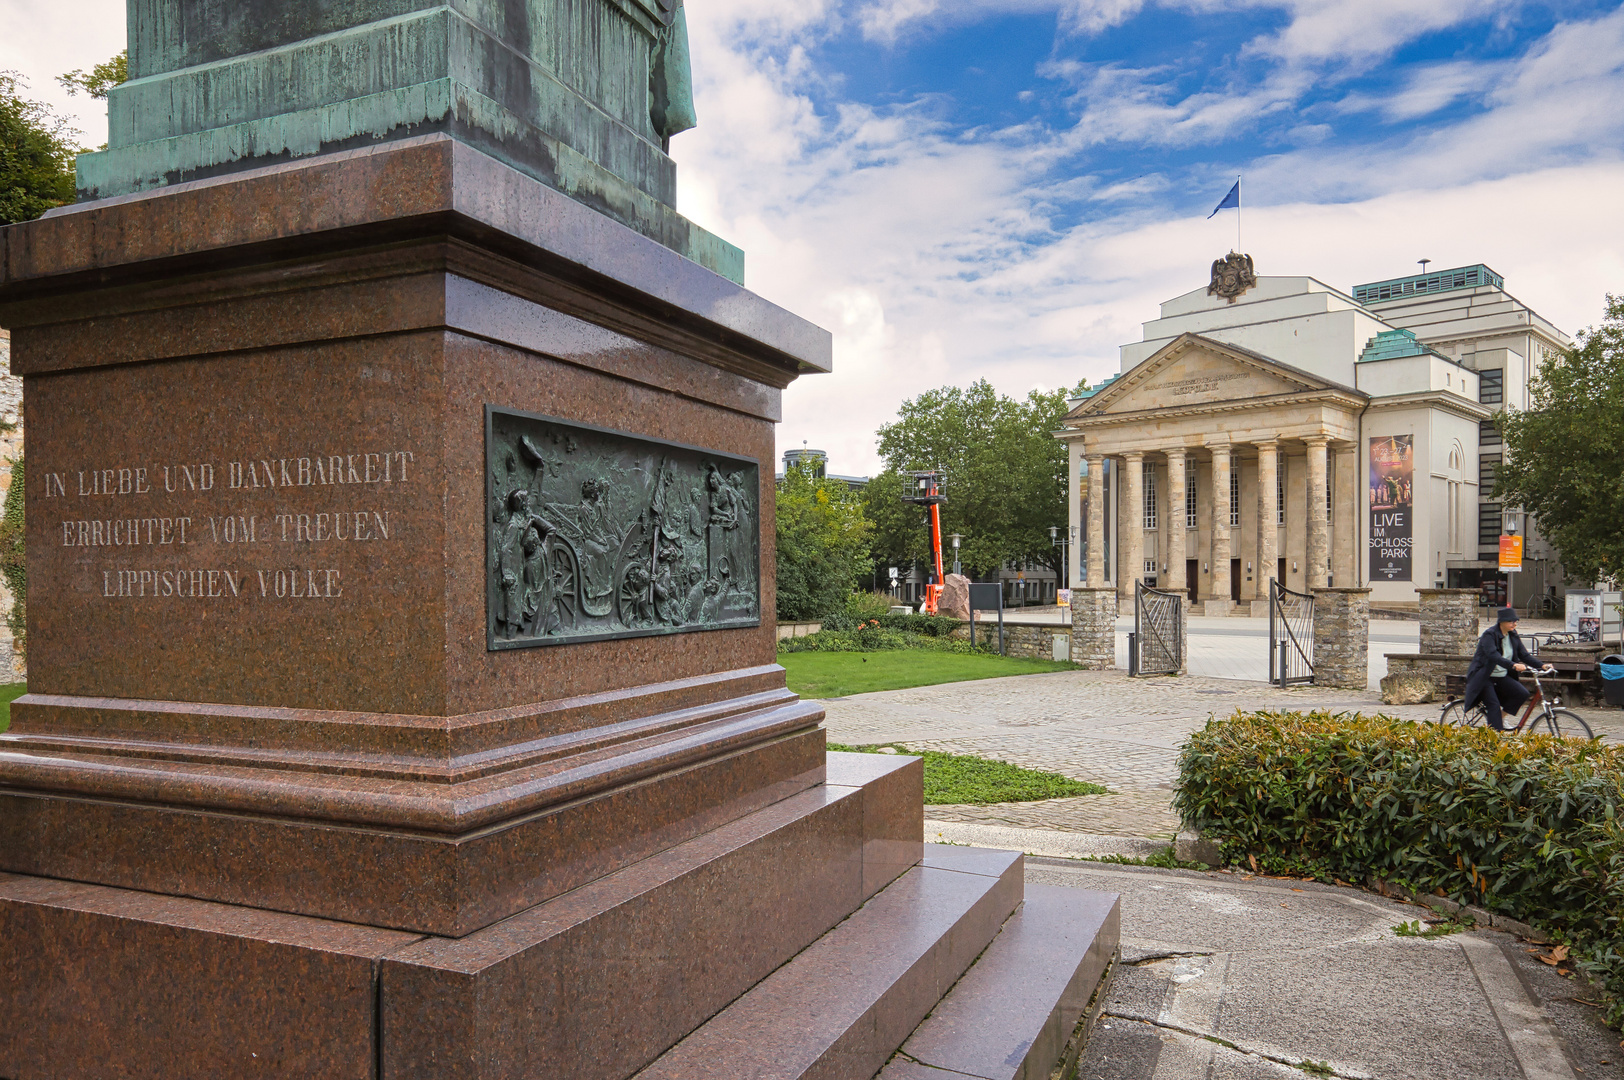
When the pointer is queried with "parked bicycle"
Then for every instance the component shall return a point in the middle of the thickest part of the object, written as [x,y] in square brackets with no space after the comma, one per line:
[1559,721]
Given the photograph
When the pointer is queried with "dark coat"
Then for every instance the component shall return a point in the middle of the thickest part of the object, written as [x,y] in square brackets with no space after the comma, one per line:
[1488,657]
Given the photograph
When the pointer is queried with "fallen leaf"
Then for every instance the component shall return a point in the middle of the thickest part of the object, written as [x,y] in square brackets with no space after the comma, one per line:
[1296,890]
[1549,960]
[1253,860]
[1559,953]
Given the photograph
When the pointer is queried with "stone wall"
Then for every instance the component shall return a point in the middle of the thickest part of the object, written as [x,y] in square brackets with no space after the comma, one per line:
[797,629]
[1430,668]
[1093,628]
[1034,640]
[1342,638]
[12,667]
[1448,621]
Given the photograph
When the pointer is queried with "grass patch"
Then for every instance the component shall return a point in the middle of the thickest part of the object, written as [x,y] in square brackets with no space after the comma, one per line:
[9,693]
[953,779]
[841,674]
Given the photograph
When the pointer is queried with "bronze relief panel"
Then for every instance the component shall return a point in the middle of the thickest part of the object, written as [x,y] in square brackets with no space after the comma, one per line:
[594,534]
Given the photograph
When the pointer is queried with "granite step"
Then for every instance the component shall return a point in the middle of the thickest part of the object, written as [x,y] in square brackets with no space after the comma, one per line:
[841,1008]
[1014,1013]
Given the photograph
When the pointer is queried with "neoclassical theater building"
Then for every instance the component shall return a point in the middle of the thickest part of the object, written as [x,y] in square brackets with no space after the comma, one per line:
[1277,427]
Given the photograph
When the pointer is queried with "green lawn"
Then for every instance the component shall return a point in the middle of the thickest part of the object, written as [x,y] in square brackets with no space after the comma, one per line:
[831,674]
[9,693]
[952,779]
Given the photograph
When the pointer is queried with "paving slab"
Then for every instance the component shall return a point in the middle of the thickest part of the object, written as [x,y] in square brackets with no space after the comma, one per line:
[1228,975]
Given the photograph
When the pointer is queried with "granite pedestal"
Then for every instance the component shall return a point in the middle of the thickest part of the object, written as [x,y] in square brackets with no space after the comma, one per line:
[279,803]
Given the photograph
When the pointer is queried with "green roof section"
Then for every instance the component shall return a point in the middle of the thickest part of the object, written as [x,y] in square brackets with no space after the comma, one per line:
[1392,344]
[1091,391]
[1461,277]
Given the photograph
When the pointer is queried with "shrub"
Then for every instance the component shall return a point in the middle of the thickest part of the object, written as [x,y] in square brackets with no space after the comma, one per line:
[872,636]
[1528,826]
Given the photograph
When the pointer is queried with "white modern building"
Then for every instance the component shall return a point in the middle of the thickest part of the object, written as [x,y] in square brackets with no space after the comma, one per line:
[1278,427]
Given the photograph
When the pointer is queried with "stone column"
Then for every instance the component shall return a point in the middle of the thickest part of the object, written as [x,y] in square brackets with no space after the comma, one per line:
[1345,527]
[1093,628]
[1268,514]
[1132,563]
[1076,527]
[1448,622]
[1096,522]
[1217,589]
[1342,638]
[1174,525]
[1318,548]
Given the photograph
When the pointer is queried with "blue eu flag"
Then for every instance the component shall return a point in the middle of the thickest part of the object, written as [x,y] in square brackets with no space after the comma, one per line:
[1233,199]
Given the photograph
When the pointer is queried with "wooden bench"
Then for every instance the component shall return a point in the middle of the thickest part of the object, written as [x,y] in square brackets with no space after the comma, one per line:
[1455,685]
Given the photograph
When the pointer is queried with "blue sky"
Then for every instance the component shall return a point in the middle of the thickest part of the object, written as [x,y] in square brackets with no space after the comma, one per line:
[1007,188]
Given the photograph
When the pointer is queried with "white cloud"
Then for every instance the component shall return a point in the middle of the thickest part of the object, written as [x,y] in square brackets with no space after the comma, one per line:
[1349,34]
[936,257]
[886,21]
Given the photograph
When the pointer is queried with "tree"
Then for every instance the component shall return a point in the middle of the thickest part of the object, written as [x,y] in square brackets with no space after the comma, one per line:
[1003,472]
[823,543]
[36,155]
[1565,455]
[102,78]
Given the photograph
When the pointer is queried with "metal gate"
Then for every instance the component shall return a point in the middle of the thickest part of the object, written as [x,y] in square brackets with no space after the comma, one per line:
[1157,645]
[1291,635]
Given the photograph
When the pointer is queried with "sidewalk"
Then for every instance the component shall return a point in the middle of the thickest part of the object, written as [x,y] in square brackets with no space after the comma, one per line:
[1226,975]
[1100,726]
[1251,978]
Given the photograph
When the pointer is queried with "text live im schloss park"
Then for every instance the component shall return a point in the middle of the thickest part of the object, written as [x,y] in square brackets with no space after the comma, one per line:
[1150,723]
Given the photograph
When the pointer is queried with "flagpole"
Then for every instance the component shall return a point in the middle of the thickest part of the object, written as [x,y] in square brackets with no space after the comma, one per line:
[1237,212]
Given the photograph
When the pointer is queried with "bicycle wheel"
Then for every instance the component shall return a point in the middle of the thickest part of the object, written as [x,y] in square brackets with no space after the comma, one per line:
[1454,713]
[1568,724]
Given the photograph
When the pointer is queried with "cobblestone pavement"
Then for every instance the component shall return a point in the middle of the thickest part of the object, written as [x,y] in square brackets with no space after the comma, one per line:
[1099,726]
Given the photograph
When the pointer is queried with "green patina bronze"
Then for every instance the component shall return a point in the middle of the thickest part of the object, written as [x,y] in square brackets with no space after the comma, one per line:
[594,534]
[583,95]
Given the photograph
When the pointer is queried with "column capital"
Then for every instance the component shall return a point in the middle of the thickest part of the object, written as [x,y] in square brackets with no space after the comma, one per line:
[1133,455]
[1271,445]
[1093,459]
[1317,440]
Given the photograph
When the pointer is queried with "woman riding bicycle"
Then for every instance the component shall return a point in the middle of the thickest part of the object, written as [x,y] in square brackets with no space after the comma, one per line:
[1492,678]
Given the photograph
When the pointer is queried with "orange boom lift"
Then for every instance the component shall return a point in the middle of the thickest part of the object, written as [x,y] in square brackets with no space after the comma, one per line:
[927,491]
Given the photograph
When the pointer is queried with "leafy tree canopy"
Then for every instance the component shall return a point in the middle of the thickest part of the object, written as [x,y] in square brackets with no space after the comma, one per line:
[823,541]
[102,78]
[37,149]
[1565,455]
[1003,472]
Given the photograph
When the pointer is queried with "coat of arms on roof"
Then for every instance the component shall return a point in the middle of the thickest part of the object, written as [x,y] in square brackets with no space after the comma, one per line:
[1232,275]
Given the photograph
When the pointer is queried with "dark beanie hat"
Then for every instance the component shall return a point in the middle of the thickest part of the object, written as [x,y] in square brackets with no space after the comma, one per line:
[1507,614]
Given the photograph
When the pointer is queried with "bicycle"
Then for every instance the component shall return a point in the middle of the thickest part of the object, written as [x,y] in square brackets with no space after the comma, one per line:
[1561,722]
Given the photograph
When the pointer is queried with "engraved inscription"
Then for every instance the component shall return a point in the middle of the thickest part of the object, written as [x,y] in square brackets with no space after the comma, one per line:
[1201,385]
[178,526]
[594,534]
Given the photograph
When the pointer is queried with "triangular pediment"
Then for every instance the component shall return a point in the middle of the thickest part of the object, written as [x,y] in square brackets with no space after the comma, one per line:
[1195,370]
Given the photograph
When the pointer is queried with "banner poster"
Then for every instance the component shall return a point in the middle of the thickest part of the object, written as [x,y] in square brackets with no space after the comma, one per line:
[1392,474]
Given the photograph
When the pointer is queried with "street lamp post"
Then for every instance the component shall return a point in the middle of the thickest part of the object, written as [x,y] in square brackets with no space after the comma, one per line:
[1065,550]
[956,538]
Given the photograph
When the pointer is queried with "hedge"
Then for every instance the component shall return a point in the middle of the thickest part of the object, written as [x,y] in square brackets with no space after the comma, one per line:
[1524,826]
[874,636]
